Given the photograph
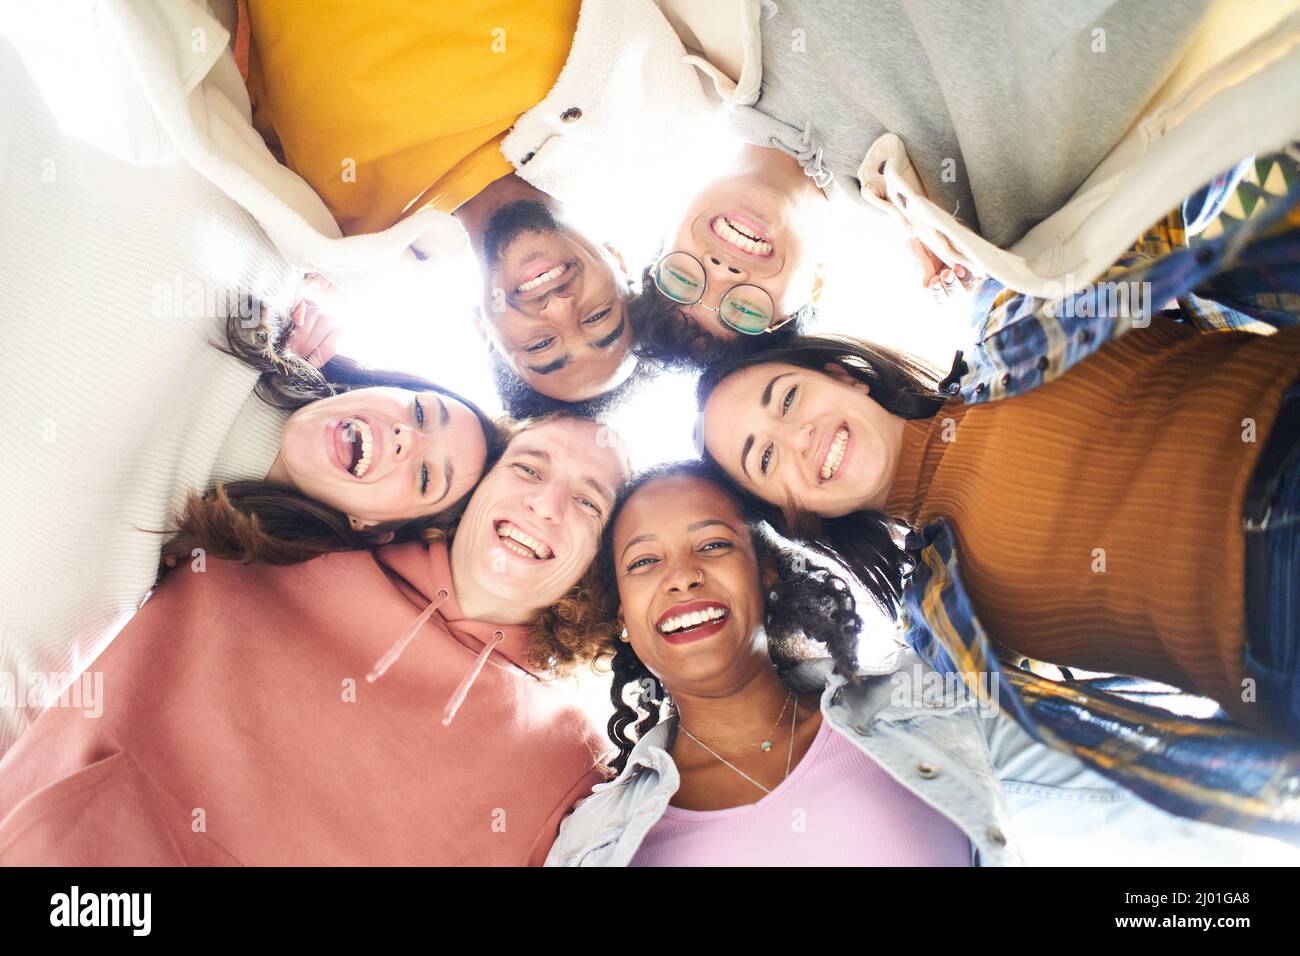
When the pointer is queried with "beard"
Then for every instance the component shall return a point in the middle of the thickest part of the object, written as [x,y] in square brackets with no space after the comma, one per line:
[511,221]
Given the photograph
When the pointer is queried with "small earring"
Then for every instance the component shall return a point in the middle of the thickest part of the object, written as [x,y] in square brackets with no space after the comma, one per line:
[624,634]
[773,595]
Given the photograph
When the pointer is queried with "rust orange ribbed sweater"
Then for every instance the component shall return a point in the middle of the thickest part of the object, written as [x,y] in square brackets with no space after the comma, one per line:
[1098,518]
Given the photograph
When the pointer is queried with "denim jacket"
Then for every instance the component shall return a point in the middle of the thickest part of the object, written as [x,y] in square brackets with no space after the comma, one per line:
[957,753]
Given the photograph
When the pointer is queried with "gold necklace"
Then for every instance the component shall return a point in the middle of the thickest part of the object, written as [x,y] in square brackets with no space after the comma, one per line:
[765,744]
[794,718]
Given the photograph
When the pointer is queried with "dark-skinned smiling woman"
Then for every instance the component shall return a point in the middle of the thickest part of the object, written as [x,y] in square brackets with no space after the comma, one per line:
[741,743]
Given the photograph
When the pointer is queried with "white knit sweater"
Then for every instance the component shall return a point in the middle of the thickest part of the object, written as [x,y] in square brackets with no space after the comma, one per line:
[115,402]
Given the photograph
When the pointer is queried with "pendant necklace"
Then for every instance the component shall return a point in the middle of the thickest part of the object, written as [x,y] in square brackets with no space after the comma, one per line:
[789,753]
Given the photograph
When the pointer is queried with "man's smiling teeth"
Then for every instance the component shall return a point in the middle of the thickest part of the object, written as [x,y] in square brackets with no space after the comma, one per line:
[728,231]
[542,279]
[359,429]
[836,454]
[524,545]
[683,621]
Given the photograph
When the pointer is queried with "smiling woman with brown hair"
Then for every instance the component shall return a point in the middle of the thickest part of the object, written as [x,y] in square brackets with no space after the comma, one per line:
[1056,495]
[367,457]
[1132,516]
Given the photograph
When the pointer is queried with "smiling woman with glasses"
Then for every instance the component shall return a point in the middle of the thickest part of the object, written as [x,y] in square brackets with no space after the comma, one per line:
[746,308]
[668,334]
[742,253]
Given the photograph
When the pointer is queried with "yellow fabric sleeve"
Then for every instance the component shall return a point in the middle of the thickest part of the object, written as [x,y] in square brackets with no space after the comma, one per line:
[389,108]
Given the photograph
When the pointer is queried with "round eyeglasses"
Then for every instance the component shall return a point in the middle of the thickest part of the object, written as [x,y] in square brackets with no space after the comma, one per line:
[748,309]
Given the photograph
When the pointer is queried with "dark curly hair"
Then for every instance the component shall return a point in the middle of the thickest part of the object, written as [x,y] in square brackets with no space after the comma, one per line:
[865,543]
[813,613]
[521,401]
[660,335]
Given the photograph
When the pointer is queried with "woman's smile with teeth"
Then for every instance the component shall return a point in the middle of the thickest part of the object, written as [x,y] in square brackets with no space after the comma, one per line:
[835,456]
[741,238]
[681,622]
[522,544]
[361,438]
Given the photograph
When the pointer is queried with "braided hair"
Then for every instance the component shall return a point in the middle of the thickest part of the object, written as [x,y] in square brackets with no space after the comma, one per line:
[808,611]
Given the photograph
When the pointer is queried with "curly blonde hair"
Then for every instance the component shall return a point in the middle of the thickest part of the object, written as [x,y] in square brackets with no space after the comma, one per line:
[579,629]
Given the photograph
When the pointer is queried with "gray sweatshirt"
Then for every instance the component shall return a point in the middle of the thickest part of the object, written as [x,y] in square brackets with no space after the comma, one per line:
[1004,106]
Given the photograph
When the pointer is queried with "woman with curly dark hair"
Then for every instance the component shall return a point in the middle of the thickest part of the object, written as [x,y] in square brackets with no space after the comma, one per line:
[741,743]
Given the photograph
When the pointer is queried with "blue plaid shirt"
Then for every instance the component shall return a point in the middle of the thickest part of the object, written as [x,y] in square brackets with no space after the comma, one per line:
[1246,276]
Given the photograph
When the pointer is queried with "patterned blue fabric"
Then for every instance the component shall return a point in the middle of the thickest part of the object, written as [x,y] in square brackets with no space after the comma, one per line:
[1246,276]
[1209,769]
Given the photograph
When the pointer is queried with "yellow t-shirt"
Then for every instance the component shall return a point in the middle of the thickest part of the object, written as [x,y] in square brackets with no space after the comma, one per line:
[389,108]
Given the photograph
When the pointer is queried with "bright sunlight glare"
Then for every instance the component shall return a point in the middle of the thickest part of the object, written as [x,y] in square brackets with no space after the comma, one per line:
[419,317]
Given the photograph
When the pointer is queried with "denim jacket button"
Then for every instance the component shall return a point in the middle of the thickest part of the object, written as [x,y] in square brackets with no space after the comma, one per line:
[997,837]
[979,389]
[927,771]
[1043,363]
[1006,379]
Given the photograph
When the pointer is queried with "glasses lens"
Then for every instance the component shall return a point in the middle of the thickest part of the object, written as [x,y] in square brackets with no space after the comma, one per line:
[680,277]
[748,309]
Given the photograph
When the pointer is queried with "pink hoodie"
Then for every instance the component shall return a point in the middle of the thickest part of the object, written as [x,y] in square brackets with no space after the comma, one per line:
[238,727]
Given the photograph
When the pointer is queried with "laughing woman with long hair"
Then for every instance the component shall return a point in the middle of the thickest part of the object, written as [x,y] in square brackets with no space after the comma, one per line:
[1099,517]
[364,457]
[1135,516]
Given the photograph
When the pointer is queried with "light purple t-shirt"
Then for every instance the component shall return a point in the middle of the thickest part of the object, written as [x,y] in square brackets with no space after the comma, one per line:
[838,807]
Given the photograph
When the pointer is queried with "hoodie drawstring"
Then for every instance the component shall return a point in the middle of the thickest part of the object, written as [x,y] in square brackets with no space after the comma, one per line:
[462,691]
[808,154]
[395,651]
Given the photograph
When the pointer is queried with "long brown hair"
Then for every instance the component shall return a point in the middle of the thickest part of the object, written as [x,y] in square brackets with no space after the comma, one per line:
[864,542]
[265,521]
